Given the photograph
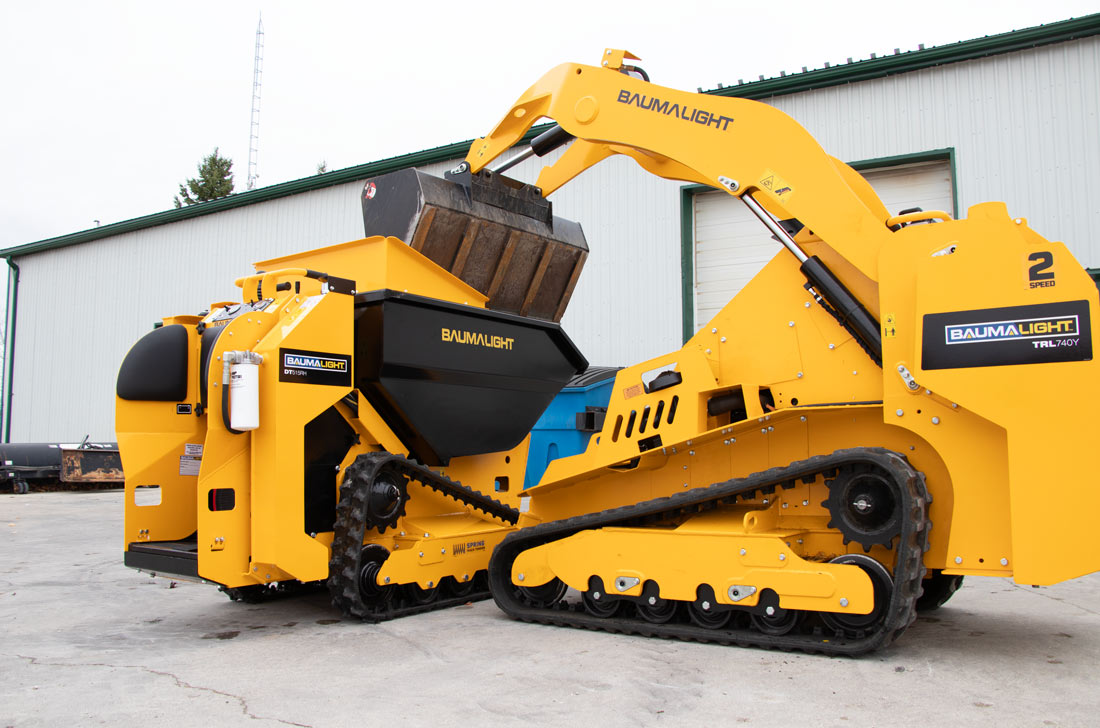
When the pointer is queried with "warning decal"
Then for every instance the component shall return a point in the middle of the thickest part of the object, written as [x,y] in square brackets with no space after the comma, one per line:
[776,185]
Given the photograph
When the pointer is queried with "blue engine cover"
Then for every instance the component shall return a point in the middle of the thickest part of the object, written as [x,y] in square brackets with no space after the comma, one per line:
[556,434]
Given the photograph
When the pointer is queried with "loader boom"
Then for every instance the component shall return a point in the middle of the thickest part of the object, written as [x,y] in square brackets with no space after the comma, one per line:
[737,145]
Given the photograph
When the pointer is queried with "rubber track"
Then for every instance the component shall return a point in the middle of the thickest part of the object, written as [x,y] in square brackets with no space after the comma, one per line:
[908,571]
[351,528]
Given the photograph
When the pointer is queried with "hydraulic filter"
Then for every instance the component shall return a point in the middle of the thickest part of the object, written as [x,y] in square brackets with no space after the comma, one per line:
[244,390]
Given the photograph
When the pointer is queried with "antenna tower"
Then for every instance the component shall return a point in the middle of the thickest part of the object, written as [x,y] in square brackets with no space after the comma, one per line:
[257,77]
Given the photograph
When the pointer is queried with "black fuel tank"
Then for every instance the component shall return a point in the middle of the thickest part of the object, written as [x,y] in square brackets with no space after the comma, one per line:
[454,380]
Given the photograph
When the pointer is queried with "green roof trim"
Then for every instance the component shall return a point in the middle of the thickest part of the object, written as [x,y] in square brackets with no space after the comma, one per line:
[864,70]
[456,150]
[891,65]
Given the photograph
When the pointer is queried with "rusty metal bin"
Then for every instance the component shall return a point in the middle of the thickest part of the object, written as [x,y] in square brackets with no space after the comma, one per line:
[496,234]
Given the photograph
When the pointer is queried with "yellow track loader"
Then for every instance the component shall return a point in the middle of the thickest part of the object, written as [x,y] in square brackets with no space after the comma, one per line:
[888,406]
[891,404]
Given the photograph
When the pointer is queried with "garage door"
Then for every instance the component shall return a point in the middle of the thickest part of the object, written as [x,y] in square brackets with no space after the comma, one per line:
[731,246]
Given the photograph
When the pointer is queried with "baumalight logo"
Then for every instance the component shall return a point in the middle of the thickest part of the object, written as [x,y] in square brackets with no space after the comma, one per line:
[315,363]
[1017,330]
[684,112]
[476,338]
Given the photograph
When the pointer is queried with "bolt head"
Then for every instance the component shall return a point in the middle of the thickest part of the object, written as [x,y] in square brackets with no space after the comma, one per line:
[706,606]
[958,559]
[426,535]
[901,368]
[421,553]
[800,375]
[770,611]
[782,557]
[802,418]
[743,552]
[431,584]
[900,412]
[843,602]
[691,452]
[442,551]
[387,580]
[832,346]
[723,339]
[807,304]
[596,595]
[935,420]
[1004,562]
[520,577]
[652,600]
[714,331]
[465,577]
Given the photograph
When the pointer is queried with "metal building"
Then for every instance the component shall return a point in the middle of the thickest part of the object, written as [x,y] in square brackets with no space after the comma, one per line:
[1012,117]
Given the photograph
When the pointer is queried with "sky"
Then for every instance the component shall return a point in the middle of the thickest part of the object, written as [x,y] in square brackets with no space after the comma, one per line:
[109,106]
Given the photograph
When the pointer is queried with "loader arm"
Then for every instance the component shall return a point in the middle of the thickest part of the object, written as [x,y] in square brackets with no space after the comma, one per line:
[741,146]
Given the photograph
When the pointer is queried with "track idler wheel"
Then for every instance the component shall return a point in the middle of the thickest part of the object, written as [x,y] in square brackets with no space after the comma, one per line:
[598,602]
[706,613]
[773,619]
[858,624]
[420,596]
[656,610]
[459,588]
[865,506]
[373,594]
[545,595]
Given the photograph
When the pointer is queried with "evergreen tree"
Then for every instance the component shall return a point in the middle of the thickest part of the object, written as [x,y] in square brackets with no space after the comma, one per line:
[215,180]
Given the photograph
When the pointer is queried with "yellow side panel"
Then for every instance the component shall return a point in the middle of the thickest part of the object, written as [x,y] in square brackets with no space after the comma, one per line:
[1044,410]
[278,454]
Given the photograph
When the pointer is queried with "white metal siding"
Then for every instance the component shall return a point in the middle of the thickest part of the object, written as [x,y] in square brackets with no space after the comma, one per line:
[82,307]
[1023,126]
[731,245]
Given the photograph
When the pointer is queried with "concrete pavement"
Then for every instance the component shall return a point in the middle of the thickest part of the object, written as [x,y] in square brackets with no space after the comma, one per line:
[86,641]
